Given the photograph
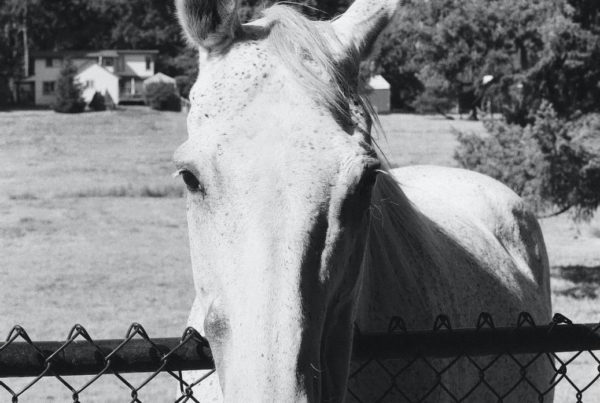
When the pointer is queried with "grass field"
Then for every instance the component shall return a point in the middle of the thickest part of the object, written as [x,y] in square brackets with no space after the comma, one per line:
[92,229]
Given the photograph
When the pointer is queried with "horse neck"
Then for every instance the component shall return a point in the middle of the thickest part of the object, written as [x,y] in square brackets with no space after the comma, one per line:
[400,262]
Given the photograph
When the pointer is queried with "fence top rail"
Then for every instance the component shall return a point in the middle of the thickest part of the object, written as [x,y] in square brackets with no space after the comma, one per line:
[137,352]
[446,343]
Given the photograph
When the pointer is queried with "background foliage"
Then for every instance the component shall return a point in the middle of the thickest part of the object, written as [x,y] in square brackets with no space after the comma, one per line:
[98,102]
[546,145]
[163,97]
[105,24]
[550,49]
[68,92]
[543,55]
[551,163]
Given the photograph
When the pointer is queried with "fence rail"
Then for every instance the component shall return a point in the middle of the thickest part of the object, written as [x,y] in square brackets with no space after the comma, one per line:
[484,339]
[138,353]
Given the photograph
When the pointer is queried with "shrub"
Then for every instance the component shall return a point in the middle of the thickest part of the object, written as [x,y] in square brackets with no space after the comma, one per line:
[98,102]
[163,97]
[437,96]
[68,91]
[184,86]
[6,98]
[551,163]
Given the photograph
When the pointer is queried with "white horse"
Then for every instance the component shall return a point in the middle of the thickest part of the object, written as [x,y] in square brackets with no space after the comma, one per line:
[297,232]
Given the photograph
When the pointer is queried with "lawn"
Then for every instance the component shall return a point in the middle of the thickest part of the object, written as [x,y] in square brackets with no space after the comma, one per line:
[92,228]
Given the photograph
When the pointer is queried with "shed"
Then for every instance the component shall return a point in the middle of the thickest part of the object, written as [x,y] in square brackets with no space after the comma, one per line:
[379,92]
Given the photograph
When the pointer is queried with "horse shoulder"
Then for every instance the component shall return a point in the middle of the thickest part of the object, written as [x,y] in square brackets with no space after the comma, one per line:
[467,204]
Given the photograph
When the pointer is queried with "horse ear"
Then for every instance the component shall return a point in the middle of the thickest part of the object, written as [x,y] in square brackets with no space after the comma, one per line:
[210,24]
[360,25]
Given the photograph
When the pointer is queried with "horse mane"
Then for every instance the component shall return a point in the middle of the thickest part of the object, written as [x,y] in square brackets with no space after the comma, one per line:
[313,52]
[397,234]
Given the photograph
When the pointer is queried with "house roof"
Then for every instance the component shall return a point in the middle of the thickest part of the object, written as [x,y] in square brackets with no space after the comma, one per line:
[92,53]
[160,78]
[85,66]
[105,53]
[378,83]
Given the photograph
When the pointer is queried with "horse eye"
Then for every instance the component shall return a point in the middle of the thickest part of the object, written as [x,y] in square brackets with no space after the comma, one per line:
[190,180]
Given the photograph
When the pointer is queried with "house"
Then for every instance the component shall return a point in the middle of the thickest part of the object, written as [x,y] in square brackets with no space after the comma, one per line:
[379,94]
[160,78]
[118,74]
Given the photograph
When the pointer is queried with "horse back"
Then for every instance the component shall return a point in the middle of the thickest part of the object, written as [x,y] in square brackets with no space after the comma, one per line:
[478,249]
[488,223]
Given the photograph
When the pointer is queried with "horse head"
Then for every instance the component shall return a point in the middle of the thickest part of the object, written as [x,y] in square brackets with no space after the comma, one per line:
[279,165]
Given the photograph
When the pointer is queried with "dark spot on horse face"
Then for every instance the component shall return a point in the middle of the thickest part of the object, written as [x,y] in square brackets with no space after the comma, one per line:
[216,325]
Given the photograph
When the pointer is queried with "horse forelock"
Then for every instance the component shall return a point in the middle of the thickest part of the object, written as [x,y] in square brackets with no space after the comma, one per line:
[319,62]
[311,50]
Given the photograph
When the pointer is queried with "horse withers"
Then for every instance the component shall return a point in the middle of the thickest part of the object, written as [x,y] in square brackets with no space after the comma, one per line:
[297,231]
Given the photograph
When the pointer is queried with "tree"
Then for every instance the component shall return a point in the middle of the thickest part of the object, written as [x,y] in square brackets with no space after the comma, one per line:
[70,24]
[547,145]
[184,86]
[568,73]
[437,94]
[551,163]
[98,102]
[13,15]
[62,25]
[465,40]
[68,91]
[587,14]
[163,97]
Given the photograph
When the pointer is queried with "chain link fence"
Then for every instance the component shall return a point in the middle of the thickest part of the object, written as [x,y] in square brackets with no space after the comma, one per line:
[386,366]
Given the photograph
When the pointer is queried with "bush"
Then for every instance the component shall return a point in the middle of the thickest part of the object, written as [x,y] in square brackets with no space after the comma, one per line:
[6,98]
[163,97]
[68,92]
[184,86]
[438,95]
[551,163]
[98,102]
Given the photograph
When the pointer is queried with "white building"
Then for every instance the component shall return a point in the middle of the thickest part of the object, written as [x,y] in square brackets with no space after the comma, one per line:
[118,74]
[160,78]
[380,94]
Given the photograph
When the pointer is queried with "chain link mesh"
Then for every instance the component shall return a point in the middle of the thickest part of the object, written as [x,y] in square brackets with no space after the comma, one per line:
[391,378]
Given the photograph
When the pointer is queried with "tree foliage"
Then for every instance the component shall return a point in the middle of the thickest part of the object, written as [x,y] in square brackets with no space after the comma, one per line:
[12,14]
[59,25]
[163,97]
[553,164]
[536,43]
[544,56]
[11,17]
[98,102]
[68,91]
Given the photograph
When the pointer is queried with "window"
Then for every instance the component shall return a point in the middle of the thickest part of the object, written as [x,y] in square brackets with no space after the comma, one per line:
[108,62]
[48,87]
[148,63]
[49,62]
[89,84]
